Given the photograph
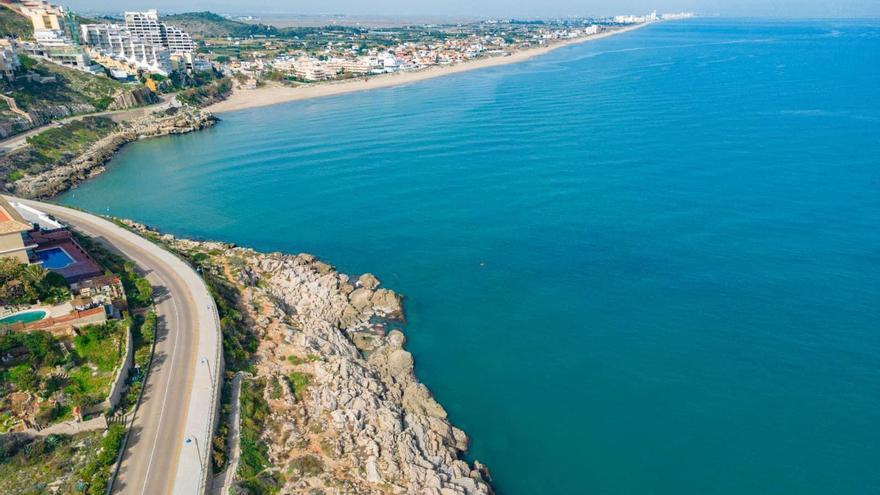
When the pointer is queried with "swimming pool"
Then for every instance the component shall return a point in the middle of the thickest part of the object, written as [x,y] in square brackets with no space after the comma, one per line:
[55,258]
[25,317]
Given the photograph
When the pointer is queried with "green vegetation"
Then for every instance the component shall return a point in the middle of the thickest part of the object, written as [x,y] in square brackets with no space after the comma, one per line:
[239,339]
[70,464]
[206,94]
[254,461]
[298,383]
[218,443]
[137,289]
[296,360]
[92,345]
[62,373]
[14,25]
[211,25]
[89,362]
[14,176]
[54,146]
[70,139]
[29,284]
[96,473]
[70,87]
[143,332]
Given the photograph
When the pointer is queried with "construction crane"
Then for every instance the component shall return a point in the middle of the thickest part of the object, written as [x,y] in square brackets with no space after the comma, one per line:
[74,28]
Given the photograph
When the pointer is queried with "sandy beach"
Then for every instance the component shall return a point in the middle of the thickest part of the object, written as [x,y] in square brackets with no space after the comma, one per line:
[272,94]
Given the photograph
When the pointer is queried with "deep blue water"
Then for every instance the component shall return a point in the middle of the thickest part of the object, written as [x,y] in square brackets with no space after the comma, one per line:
[647,264]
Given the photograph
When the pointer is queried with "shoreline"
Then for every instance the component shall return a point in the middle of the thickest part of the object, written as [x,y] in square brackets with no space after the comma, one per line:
[345,392]
[242,99]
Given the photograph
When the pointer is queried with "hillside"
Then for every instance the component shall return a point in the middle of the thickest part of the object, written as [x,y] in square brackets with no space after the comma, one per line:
[69,92]
[211,25]
[13,24]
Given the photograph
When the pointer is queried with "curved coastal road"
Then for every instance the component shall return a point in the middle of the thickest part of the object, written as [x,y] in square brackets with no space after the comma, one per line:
[174,423]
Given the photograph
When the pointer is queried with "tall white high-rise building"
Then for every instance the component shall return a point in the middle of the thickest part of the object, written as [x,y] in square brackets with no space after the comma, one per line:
[147,27]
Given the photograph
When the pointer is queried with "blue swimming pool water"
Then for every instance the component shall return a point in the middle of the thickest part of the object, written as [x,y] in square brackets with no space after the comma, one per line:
[26,317]
[55,258]
[644,265]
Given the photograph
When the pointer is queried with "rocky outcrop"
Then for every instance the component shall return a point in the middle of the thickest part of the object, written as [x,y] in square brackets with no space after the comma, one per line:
[134,98]
[360,422]
[47,113]
[64,176]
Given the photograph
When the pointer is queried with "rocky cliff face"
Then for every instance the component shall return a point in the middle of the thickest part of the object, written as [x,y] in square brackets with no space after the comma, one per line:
[134,98]
[64,176]
[364,421]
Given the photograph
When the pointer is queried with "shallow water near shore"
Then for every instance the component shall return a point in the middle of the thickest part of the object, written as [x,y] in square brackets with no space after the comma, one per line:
[645,264]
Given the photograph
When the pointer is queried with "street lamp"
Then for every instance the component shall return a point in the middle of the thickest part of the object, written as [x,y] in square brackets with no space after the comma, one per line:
[191,439]
[204,361]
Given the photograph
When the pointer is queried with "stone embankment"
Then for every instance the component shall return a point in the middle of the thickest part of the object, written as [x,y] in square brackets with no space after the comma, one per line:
[348,414]
[91,162]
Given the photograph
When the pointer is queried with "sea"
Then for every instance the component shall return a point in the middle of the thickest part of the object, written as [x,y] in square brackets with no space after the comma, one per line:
[647,264]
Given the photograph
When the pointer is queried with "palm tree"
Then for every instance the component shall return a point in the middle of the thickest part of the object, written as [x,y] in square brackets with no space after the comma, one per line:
[34,274]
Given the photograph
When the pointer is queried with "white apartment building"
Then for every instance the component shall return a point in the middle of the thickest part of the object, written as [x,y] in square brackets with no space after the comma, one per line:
[178,41]
[120,43]
[147,27]
[338,65]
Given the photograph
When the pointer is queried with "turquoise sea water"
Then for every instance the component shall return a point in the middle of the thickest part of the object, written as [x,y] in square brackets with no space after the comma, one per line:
[647,264]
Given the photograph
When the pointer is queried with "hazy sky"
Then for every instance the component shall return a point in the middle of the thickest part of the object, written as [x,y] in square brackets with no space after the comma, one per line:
[522,8]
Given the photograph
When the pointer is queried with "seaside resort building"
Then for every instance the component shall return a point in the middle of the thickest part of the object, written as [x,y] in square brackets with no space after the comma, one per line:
[143,42]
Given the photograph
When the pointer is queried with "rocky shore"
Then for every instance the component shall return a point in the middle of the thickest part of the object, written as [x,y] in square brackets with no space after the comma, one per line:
[63,176]
[356,420]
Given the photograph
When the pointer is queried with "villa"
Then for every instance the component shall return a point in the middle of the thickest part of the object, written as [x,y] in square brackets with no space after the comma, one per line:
[14,242]
[32,237]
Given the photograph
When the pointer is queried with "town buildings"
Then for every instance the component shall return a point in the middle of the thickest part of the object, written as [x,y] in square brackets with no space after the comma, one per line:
[143,42]
[116,42]
[55,35]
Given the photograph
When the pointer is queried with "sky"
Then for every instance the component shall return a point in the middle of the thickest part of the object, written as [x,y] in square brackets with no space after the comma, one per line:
[497,8]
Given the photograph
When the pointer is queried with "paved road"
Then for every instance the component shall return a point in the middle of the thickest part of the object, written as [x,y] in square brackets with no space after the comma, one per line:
[17,141]
[158,458]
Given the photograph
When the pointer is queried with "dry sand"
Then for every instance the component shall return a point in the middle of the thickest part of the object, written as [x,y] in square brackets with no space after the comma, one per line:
[276,93]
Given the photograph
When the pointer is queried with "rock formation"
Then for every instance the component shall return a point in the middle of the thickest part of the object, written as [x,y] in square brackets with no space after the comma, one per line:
[364,422]
[64,176]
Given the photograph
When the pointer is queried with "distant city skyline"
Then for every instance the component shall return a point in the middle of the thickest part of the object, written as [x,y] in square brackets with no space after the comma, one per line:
[498,8]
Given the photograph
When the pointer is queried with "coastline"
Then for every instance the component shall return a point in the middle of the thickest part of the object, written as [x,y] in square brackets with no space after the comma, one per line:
[242,99]
[91,161]
[345,407]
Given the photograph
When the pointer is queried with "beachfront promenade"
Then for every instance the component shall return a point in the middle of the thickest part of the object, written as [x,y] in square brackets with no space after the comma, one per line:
[168,450]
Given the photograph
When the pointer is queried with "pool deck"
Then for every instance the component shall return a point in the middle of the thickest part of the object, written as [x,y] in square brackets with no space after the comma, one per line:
[83,266]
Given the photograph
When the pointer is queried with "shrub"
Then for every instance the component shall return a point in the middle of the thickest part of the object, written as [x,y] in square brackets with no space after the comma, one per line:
[299,382]
[23,377]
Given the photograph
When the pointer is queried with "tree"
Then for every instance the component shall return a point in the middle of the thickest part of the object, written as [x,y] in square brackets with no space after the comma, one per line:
[33,274]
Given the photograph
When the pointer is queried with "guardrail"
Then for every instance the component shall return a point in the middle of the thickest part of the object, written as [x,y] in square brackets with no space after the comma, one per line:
[216,370]
[215,398]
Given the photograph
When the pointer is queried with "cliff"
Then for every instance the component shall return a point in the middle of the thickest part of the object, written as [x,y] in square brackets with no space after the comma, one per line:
[346,411]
